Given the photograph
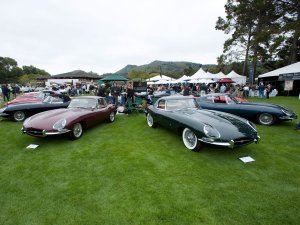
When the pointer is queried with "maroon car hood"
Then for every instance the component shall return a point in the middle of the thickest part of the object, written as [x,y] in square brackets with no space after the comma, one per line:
[46,120]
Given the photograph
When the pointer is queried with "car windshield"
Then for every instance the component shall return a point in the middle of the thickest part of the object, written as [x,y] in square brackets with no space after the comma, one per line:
[176,104]
[40,95]
[225,99]
[83,103]
[51,99]
[235,100]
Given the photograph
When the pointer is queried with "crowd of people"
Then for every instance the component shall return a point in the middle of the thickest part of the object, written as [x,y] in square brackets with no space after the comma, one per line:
[6,90]
[118,93]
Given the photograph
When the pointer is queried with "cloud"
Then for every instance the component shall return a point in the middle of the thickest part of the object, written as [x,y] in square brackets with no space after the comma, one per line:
[105,36]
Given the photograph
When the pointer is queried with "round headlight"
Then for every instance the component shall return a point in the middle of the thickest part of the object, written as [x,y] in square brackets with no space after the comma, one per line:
[287,112]
[211,132]
[60,124]
[2,109]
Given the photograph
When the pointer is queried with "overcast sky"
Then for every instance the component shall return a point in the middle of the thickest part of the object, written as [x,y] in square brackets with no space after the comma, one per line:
[104,36]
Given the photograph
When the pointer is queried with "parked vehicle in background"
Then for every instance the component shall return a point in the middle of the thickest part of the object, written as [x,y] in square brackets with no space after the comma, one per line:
[262,113]
[32,97]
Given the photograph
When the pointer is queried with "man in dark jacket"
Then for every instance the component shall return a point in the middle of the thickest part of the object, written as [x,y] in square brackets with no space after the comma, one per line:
[5,92]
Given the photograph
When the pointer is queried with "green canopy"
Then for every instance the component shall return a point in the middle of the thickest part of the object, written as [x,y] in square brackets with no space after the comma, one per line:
[114,77]
[103,82]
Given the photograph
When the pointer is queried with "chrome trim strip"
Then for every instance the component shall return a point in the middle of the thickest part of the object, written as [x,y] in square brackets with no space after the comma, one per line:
[230,144]
[44,133]
[226,144]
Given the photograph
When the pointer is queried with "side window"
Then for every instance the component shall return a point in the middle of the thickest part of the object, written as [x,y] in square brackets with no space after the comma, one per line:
[161,104]
[101,103]
[206,99]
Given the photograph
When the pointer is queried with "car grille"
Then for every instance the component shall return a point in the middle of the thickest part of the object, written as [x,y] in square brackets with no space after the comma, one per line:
[34,132]
[243,141]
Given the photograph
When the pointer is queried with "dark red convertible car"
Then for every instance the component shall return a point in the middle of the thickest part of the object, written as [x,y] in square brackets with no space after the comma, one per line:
[82,112]
[32,97]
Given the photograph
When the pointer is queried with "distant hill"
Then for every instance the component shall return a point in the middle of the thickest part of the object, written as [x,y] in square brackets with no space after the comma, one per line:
[173,69]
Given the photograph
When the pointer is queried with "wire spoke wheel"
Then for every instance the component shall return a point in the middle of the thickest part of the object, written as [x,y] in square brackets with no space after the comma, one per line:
[112,117]
[150,120]
[266,119]
[76,131]
[19,116]
[190,140]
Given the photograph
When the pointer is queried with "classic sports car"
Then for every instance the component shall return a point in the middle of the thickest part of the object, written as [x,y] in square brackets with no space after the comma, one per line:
[32,97]
[19,112]
[81,113]
[197,126]
[262,113]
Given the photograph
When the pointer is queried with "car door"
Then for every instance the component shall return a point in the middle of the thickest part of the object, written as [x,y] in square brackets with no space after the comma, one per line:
[99,113]
[162,116]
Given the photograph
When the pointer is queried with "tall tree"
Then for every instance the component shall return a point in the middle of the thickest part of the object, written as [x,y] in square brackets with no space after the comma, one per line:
[251,23]
[33,70]
[9,70]
[239,22]
[287,43]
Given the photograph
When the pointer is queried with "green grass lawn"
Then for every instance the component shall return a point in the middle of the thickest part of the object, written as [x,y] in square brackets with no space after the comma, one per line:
[127,173]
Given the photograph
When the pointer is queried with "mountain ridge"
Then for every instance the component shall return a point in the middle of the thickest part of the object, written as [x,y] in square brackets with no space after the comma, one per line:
[169,68]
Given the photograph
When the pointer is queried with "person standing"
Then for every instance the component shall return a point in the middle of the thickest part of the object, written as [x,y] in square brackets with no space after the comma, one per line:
[130,92]
[5,92]
[15,90]
[261,89]
[186,90]
[101,90]
[246,90]
[268,90]
[115,93]
[223,88]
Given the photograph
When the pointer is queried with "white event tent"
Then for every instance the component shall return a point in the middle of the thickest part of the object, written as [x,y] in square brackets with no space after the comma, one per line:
[293,68]
[213,76]
[238,79]
[199,74]
[182,79]
[159,77]
[198,81]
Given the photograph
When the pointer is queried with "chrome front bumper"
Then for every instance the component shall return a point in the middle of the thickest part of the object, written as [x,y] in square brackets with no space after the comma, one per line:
[43,133]
[231,143]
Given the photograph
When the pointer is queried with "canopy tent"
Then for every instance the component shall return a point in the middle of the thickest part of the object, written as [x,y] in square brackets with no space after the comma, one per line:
[159,77]
[162,82]
[216,76]
[199,74]
[198,81]
[184,78]
[114,77]
[219,75]
[238,79]
[150,82]
[103,82]
[293,68]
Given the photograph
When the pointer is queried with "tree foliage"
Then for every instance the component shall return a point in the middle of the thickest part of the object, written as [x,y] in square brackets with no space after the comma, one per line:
[9,70]
[261,32]
[33,70]
[11,73]
[136,74]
